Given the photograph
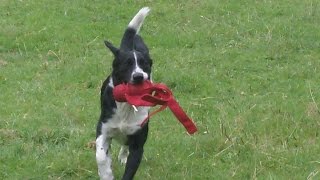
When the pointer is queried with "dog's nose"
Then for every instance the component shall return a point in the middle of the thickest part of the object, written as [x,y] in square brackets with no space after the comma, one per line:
[137,77]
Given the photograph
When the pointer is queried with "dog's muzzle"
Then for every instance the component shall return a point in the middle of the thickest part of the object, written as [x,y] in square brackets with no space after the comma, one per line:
[137,78]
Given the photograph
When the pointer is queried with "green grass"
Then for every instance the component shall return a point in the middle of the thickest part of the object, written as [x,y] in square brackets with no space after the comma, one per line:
[247,72]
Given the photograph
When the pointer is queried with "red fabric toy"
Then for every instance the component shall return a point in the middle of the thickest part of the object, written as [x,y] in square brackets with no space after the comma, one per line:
[149,94]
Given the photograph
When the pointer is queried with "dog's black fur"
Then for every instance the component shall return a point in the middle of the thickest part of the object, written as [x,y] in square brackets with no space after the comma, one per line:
[120,121]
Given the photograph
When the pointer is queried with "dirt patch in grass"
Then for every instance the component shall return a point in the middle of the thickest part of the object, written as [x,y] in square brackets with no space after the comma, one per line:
[8,135]
[3,63]
[312,110]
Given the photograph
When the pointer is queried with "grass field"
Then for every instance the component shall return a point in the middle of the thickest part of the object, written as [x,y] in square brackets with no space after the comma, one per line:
[247,72]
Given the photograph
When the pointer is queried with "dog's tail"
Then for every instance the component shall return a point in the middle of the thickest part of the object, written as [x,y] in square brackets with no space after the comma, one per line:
[138,19]
[133,29]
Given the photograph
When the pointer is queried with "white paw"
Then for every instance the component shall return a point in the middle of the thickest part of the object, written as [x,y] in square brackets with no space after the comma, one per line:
[123,160]
[106,176]
[123,155]
[105,173]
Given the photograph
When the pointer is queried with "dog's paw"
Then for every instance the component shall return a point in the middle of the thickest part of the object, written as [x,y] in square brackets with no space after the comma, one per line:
[105,174]
[122,160]
[123,155]
[106,177]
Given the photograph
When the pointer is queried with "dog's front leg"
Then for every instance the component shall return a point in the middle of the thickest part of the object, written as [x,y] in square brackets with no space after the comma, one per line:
[133,162]
[136,143]
[103,158]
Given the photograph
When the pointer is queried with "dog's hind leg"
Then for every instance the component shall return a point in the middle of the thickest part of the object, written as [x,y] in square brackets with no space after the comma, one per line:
[103,157]
[123,154]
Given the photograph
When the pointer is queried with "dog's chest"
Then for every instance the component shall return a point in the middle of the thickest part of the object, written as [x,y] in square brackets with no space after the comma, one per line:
[126,120]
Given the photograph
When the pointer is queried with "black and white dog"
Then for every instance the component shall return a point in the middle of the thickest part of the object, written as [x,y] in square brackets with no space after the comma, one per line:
[119,120]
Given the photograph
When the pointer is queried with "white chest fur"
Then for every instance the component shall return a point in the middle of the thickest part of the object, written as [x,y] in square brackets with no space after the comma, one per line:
[125,121]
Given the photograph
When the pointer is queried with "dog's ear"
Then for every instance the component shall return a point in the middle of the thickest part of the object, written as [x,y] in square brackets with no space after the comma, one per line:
[113,49]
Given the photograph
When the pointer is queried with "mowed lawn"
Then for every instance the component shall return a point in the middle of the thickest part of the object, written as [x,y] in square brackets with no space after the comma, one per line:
[247,72]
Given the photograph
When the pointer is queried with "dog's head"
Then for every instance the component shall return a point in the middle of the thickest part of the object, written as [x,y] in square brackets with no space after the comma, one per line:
[132,63]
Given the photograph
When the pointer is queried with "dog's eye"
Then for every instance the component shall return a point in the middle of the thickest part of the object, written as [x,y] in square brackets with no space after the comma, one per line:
[146,63]
[143,62]
[129,62]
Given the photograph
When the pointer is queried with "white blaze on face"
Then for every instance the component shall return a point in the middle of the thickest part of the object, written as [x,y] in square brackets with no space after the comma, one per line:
[137,68]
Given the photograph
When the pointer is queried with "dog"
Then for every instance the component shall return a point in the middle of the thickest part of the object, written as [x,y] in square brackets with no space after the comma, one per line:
[120,120]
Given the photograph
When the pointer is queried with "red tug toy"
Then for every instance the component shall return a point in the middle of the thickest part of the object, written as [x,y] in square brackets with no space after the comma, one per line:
[151,94]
